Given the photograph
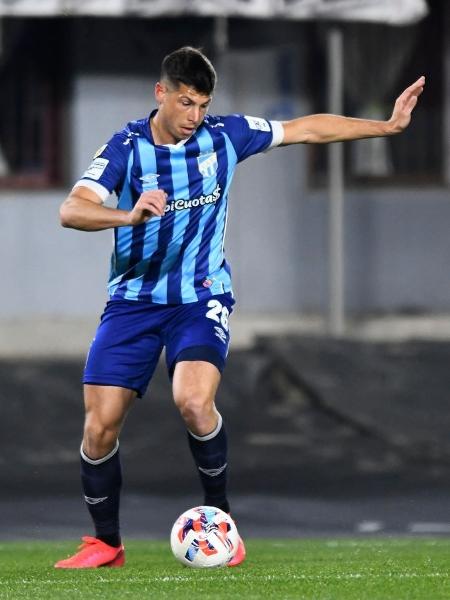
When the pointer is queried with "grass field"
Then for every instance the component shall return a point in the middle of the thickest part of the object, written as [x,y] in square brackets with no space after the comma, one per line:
[299,569]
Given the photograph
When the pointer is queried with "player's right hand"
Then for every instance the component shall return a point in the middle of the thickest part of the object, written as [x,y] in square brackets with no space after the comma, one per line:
[150,204]
[404,105]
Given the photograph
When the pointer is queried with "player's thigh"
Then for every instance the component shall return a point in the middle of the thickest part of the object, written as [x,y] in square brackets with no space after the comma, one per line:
[195,382]
[107,406]
[199,332]
[126,347]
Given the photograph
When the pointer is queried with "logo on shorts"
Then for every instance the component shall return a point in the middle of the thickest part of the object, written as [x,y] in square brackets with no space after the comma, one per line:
[220,333]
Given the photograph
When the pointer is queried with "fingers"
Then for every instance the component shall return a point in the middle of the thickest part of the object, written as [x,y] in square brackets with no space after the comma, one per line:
[412,102]
[420,82]
[153,202]
[408,98]
[419,85]
[405,104]
[416,88]
[150,204]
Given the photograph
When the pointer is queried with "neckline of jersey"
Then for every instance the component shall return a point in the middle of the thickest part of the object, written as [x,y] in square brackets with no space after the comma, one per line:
[149,134]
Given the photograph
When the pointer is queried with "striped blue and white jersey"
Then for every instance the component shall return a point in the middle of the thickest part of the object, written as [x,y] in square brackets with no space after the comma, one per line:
[177,258]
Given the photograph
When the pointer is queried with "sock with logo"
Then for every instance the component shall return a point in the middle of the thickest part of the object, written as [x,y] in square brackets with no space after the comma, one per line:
[102,481]
[210,456]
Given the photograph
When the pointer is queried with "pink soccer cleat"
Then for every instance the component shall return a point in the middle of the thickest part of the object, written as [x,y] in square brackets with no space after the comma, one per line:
[239,557]
[94,553]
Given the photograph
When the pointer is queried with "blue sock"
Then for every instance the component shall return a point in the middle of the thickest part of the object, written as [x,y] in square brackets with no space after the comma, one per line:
[210,456]
[102,481]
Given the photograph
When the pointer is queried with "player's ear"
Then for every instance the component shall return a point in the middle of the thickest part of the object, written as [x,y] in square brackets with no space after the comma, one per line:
[160,92]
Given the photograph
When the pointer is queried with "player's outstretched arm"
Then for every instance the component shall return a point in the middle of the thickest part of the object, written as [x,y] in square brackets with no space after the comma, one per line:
[83,209]
[325,128]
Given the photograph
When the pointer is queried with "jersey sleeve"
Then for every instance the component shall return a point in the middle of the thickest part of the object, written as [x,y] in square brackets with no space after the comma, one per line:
[251,135]
[108,168]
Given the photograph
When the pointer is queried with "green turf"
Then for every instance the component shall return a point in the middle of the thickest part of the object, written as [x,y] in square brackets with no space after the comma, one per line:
[280,569]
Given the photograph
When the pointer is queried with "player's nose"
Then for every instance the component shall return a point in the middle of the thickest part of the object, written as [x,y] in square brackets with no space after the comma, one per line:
[194,114]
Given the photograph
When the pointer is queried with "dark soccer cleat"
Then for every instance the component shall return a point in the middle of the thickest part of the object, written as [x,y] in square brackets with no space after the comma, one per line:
[94,553]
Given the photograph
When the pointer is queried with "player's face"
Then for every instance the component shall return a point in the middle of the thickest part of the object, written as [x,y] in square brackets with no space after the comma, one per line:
[181,111]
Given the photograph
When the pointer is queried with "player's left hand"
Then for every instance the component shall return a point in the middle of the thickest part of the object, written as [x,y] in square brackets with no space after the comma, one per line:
[404,105]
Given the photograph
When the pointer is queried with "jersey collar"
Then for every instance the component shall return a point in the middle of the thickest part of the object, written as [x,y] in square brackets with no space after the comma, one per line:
[149,134]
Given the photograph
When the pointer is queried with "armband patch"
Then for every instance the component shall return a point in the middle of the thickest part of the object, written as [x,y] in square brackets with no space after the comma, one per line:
[257,123]
[96,169]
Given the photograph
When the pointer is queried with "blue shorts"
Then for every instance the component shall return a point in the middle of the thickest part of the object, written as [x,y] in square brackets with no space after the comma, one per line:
[132,334]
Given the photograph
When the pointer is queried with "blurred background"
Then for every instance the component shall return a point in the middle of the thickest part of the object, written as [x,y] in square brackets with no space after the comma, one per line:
[338,378]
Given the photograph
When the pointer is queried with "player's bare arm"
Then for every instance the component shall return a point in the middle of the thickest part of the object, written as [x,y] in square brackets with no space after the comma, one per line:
[326,128]
[83,209]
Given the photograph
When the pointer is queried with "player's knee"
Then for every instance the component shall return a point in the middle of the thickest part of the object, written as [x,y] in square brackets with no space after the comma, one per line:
[98,439]
[197,411]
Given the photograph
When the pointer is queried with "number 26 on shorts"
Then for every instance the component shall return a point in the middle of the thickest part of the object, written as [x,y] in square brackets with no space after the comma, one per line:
[218,313]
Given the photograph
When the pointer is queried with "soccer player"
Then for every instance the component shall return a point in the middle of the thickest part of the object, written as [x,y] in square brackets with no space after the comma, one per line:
[170,285]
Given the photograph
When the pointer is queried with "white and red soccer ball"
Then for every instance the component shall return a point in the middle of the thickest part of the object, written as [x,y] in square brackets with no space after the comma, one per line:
[204,536]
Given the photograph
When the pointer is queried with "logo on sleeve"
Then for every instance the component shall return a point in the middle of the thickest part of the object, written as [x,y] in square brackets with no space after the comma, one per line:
[130,137]
[207,164]
[96,169]
[257,123]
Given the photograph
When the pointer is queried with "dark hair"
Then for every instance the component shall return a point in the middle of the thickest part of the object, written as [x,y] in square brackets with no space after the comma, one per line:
[189,66]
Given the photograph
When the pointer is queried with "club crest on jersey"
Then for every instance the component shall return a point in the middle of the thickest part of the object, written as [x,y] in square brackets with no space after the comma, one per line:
[207,164]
